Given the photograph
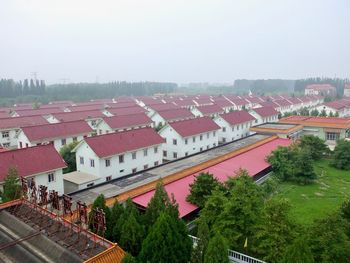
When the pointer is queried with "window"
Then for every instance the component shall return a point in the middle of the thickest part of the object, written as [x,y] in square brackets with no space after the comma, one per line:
[186,153]
[237,127]
[51,177]
[145,152]
[121,158]
[207,147]
[214,133]
[194,139]
[164,154]
[223,139]
[5,134]
[134,170]
[201,137]
[92,162]
[121,171]
[75,139]
[145,167]
[156,149]
[93,122]
[208,135]
[133,155]
[6,145]
[108,178]
[332,136]
[175,155]
[186,141]
[214,144]
[20,145]
[224,129]
[90,185]
[108,162]
[63,142]
[201,149]
[174,141]
[81,159]
[156,163]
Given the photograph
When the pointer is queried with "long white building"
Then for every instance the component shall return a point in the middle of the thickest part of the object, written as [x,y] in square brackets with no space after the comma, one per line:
[114,155]
[188,137]
[234,125]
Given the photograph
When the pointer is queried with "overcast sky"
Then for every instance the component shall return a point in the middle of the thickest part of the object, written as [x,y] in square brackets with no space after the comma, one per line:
[174,40]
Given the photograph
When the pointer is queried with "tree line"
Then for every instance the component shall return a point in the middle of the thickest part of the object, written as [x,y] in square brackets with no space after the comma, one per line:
[12,89]
[245,217]
[338,83]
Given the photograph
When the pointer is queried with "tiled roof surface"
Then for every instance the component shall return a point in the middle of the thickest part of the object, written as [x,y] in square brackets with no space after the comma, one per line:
[123,121]
[31,161]
[237,117]
[121,142]
[194,126]
[19,122]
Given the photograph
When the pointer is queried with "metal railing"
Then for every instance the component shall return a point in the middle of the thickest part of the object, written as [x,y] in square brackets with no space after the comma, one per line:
[234,256]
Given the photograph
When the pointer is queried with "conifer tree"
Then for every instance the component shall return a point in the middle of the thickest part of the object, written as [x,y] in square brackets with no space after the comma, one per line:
[12,188]
[217,250]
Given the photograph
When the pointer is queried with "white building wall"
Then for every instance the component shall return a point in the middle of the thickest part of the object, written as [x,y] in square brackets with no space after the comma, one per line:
[117,169]
[23,141]
[188,145]
[8,137]
[229,133]
[57,184]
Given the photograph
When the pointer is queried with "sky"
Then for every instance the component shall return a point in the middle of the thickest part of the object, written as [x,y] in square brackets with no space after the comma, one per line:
[173,40]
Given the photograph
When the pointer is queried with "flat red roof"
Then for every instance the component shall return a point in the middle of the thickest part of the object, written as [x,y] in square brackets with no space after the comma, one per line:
[253,161]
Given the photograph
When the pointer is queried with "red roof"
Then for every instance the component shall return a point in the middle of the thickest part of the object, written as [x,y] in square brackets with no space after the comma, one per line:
[177,114]
[57,130]
[31,161]
[266,111]
[46,111]
[320,87]
[282,102]
[126,111]
[333,120]
[124,121]
[79,115]
[19,122]
[164,106]
[254,161]
[194,126]
[237,117]
[210,109]
[87,107]
[121,142]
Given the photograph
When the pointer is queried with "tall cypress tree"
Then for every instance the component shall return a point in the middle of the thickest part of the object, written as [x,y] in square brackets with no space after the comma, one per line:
[217,250]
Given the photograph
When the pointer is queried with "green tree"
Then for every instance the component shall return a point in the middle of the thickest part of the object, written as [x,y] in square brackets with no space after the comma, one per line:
[276,230]
[159,203]
[281,163]
[123,217]
[213,207]
[116,212]
[341,155]
[202,188]
[217,250]
[203,235]
[303,171]
[298,252]
[12,188]
[132,234]
[323,113]
[69,157]
[129,259]
[328,239]
[316,146]
[164,243]
[314,112]
[241,212]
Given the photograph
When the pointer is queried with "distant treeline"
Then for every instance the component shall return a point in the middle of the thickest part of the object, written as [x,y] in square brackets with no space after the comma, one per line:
[263,86]
[30,91]
[336,82]
[12,89]
[83,91]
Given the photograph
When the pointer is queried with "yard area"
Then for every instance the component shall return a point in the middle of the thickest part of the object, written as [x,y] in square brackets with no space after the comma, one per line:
[314,201]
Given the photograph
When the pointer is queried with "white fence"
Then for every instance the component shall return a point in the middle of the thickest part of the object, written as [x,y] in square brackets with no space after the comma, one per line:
[234,256]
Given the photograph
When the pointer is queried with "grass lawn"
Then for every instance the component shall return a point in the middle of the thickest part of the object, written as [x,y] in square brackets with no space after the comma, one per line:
[314,201]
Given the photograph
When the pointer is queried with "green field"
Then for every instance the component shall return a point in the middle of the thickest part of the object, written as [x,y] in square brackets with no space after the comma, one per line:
[316,200]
